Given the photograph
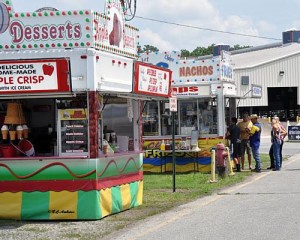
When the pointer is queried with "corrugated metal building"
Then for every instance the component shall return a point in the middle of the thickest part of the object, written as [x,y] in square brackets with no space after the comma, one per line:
[268,78]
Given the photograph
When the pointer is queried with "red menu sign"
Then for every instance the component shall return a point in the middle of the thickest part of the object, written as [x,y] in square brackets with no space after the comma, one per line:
[34,76]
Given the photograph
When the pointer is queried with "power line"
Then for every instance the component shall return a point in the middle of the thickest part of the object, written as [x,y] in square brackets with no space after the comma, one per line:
[206,29]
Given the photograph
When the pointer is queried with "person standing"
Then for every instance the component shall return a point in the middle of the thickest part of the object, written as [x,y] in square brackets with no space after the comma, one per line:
[255,141]
[245,127]
[233,134]
[283,135]
[276,140]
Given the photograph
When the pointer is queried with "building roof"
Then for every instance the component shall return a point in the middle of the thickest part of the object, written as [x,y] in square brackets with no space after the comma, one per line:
[252,57]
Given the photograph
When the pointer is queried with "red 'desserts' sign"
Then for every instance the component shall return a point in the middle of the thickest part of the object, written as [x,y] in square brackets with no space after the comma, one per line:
[34,76]
[152,80]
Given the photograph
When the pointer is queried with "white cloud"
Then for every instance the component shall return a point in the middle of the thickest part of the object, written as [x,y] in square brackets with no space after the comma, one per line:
[294,25]
[266,27]
[148,37]
[198,13]
[190,38]
[201,14]
[20,6]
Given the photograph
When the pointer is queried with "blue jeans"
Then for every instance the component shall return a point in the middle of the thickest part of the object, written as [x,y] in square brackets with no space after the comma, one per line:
[272,161]
[276,153]
[256,156]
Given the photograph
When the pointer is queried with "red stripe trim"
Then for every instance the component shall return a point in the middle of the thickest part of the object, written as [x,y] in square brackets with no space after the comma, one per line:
[68,185]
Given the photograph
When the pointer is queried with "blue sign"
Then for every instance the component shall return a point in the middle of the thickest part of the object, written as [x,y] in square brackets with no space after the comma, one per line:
[294,133]
[256,91]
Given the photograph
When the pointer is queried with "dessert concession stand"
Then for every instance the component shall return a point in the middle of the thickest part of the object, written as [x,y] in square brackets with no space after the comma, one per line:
[67,90]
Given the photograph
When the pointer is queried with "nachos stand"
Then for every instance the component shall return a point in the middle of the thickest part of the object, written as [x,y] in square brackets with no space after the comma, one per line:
[205,89]
[66,85]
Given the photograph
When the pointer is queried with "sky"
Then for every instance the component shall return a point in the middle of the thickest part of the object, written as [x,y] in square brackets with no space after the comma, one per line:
[266,19]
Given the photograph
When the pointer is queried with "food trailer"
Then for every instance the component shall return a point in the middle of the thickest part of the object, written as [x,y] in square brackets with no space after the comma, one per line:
[204,90]
[70,127]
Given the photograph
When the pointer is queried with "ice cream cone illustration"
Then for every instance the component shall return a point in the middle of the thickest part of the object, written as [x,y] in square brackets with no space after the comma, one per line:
[19,132]
[4,131]
[25,131]
[12,134]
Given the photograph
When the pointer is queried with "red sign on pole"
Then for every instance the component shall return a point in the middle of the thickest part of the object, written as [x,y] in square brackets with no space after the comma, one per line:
[152,80]
[173,104]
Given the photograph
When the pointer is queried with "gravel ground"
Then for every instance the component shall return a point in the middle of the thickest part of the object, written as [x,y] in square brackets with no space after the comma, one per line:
[52,230]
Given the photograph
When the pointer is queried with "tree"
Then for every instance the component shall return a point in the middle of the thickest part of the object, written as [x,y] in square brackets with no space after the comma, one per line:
[238,46]
[202,51]
[197,52]
[148,48]
[184,53]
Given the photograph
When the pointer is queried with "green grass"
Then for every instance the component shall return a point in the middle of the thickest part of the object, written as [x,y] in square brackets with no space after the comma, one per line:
[159,196]
[72,235]
[33,229]
[158,188]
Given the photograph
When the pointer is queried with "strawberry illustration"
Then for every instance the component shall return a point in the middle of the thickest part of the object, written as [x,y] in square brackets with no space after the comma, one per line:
[116,34]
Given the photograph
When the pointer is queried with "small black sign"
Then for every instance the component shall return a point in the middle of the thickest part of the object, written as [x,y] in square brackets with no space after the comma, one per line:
[294,133]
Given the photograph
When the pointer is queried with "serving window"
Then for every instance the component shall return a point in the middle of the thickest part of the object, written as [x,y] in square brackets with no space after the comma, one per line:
[115,119]
[188,116]
[150,118]
[207,116]
[193,114]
